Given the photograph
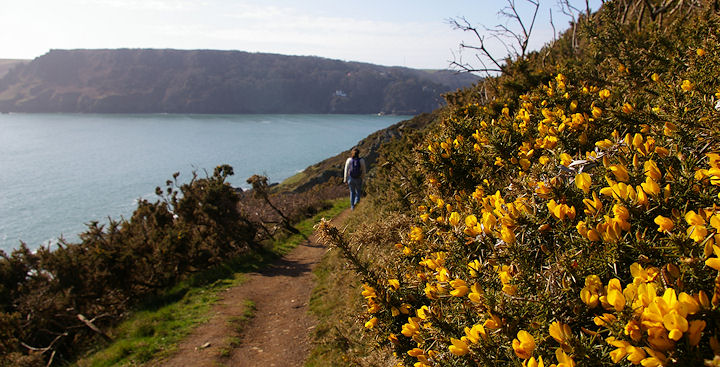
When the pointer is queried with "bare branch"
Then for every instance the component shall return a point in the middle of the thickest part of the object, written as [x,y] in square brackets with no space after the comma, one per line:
[553,27]
[467,27]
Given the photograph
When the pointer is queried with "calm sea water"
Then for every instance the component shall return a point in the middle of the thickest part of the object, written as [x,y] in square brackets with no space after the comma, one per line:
[58,172]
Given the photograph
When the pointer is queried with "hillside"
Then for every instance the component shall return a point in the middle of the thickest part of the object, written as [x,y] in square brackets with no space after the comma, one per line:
[7,64]
[565,213]
[332,168]
[206,81]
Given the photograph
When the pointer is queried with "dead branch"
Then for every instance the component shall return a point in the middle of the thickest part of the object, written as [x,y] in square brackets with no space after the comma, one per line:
[465,26]
[89,323]
[510,11]
[45,349]
[517,49]
[574,14]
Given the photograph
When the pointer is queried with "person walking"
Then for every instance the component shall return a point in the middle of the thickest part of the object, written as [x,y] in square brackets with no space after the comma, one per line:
[353,176]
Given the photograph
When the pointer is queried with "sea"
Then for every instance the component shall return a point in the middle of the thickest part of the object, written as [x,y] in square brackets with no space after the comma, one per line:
[59,172]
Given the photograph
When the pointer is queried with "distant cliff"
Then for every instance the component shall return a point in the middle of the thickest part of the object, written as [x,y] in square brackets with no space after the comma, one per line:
[205,81]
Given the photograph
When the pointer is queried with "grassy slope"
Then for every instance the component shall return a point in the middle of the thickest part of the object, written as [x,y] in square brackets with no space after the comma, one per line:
[332,167]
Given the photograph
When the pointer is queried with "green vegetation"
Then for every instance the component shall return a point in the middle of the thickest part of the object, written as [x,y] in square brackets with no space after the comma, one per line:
[57,303]
[155,328]
[563,213]
[153,333]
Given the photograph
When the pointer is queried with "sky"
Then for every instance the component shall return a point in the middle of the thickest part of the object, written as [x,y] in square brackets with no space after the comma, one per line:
[407,33]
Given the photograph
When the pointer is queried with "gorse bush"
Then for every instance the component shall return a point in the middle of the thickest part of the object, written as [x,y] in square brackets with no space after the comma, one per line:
[54,302]
[571,217]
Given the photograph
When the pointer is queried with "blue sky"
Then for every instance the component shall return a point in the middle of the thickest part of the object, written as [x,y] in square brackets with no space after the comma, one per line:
[404,33]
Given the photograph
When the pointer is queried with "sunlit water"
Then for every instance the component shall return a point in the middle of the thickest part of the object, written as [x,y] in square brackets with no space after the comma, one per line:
[58,172]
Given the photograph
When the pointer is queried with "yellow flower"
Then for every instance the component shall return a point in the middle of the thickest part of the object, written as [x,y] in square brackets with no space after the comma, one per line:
[589,294]
[564,360]
[650,186]
[565,159]
[593,206]
[655,77]
[411,328]
[628,108]
[618,354]
[454,219]
[658,339]
[583,182]
[597,112]
[394,284]
[488,222]
[458,347]
[532,362]
[632,328]
[523,345]
[635,354]
[416,234]
[368,291]
[604,144]
[694,331]
[560,211]
[700,52]
[471,226]
[507,234]
[604,94]
[473,335]
[697,230]
[620,172]
[651,170]
[371,323]
[713,262]
[676,324]
[686,85]
[475,294]
[460,288]
[560,332]
[655,359]
[665,224]
[542,190]
[493,322]
[616,299]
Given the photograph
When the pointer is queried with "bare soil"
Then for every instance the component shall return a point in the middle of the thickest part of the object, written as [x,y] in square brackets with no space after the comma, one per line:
[279,333]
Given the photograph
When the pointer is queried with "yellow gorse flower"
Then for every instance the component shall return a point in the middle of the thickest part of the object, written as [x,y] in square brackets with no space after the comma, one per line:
[687,85]
[523,345]
[583,182]
[560,332]
[696,230]
[664,224]
[532,362]
[371,323]
[458,347]
[460,288]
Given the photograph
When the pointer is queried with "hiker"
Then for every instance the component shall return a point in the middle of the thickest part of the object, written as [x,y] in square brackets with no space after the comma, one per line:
[353,175]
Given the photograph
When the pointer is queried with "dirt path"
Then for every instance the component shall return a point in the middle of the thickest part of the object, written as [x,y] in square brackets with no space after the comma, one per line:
[278,334]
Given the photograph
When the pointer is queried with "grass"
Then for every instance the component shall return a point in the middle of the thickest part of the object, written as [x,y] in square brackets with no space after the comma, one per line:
[283,246]
[334,302]
[155,328]
[238,324]
[340,338]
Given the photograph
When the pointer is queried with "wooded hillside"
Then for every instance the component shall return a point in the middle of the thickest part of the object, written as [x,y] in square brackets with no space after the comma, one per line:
[206,81]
